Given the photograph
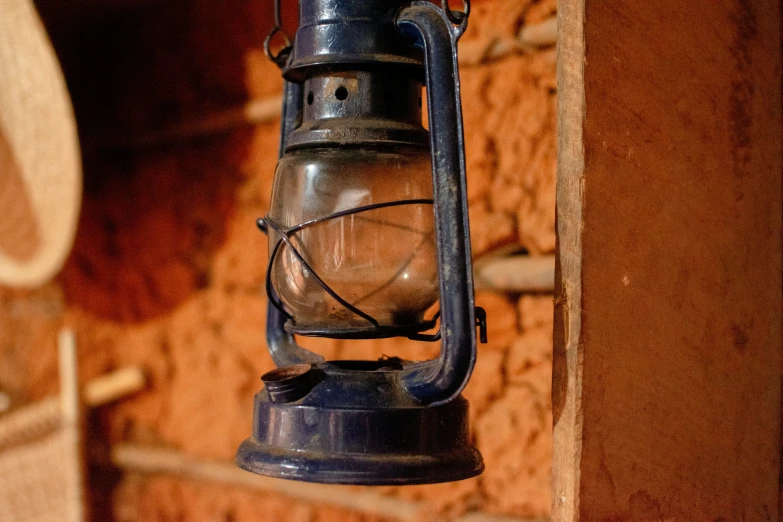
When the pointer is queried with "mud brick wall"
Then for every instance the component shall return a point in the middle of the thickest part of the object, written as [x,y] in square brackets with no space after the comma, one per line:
[168,266]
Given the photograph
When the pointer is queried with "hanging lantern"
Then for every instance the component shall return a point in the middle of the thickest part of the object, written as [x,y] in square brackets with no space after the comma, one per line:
[368,229]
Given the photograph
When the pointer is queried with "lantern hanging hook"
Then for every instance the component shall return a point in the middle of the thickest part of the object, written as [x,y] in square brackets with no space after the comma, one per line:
[458,18]
[282,55]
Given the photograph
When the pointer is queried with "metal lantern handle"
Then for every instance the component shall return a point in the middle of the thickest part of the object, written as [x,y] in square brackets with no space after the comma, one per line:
[440,380]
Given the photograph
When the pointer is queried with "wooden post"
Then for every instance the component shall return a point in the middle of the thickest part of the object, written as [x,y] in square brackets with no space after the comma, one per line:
[667,384]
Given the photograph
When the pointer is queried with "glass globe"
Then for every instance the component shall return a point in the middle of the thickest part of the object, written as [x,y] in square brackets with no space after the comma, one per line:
[380,261]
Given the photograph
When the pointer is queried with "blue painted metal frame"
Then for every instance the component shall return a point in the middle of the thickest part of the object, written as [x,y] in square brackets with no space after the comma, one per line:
[442,379]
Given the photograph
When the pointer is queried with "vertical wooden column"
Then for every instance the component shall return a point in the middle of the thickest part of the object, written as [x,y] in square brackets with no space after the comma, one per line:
[668,315]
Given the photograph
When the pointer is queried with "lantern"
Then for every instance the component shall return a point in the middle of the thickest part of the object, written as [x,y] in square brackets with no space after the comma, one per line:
[368,229]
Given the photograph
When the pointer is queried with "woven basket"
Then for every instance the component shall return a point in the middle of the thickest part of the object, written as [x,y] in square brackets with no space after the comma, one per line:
[40,166]
[41,466]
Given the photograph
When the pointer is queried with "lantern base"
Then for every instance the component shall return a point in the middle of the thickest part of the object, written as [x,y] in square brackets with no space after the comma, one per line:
[357,426]
[366,470]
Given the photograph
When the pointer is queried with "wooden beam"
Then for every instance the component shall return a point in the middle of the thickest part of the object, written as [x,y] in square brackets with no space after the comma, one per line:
[515,274]
[130,458]
[666,385]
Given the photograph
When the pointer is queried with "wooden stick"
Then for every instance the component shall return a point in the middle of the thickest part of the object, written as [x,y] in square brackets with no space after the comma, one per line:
[70,411]
[543,34]
[151,460]
[529,39]
[69,378]
[35,420]
[29,423]
[517,274]
[115,385]
[486,517]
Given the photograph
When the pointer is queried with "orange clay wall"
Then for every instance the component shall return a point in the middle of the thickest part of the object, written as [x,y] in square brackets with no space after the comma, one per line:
[167,269]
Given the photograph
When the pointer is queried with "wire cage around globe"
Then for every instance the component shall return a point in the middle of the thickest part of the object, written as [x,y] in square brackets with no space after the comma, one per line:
[358,260]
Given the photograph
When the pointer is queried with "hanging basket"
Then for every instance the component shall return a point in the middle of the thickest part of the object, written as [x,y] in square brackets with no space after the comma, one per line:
[40,165]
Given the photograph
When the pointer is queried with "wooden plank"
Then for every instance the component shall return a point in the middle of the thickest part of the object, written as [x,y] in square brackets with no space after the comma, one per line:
[666,389]
[566,366]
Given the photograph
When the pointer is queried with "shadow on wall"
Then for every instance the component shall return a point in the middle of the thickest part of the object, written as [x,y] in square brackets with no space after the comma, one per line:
[152,219]
[147,233]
